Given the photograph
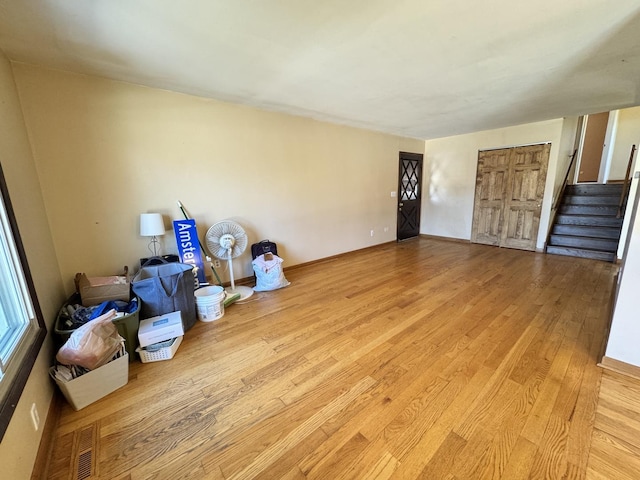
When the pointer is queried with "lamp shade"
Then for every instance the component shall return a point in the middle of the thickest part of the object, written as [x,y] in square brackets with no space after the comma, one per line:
[151,225]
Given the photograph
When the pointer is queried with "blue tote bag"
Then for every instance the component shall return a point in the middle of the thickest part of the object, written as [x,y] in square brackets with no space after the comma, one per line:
[166,288]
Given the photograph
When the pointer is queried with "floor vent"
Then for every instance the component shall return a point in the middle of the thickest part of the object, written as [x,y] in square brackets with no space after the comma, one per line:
[84,453]
[84,465]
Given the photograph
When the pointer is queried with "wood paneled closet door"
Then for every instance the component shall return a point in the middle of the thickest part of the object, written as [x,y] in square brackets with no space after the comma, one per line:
[508,199]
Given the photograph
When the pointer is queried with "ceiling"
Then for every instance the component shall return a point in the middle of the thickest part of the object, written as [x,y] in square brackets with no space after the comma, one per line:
[418,68]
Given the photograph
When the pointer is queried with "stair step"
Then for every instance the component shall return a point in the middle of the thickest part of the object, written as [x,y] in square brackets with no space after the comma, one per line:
[603,244]
[587,231]
[586,225]
[582,253]
[591,200]
[589,209]
[594,189]
[605,221]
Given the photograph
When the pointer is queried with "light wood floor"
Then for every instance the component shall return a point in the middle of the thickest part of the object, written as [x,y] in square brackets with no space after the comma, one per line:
[615,443]
[426,359]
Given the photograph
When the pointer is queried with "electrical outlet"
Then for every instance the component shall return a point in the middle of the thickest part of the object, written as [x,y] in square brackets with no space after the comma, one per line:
[386,229]
[35,418]
[216,264]
[372,233]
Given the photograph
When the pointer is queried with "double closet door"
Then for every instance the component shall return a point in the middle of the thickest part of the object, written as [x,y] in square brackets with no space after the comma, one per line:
[508,199]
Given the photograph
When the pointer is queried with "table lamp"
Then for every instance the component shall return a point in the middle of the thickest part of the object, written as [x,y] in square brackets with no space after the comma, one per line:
[152,225]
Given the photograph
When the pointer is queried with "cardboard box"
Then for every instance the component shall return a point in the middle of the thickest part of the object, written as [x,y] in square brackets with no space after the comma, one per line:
[160,328]
[95,290]
[98,383]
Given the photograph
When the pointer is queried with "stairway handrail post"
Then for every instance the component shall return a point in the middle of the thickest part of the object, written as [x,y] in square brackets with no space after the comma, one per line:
[625,185]
[566,178]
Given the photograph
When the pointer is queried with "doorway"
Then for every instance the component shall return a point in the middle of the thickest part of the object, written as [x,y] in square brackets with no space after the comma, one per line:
[593,143]
[409,195]
[510,187]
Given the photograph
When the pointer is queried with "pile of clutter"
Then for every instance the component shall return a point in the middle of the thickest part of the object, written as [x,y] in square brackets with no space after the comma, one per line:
[93,361]
[73,314]
[110,321]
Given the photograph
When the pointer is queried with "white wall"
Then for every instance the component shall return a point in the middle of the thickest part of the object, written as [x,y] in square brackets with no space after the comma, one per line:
[625,327]
[107,151]
[450,174]
[628,214]
[627,134]
[20,443]
[567,146]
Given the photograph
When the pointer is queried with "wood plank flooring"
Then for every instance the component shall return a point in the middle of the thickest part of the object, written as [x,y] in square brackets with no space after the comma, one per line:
[426,359]
[615,444]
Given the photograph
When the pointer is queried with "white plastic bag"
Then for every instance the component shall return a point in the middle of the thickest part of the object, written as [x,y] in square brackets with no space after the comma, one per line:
[93,344]
[269,274]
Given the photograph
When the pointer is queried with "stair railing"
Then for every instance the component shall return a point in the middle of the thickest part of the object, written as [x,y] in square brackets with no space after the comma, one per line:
[556,204]
[626,184]
[566,178]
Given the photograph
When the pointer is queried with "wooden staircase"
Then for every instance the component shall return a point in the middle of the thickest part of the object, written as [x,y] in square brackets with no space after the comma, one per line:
[586,224]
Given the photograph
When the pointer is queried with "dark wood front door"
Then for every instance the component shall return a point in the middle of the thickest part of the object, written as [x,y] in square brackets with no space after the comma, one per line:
[409,195]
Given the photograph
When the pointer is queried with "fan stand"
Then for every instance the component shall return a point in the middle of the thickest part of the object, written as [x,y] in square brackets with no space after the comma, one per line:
[245,292]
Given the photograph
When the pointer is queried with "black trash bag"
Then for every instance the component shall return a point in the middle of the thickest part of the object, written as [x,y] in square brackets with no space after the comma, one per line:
[166,288]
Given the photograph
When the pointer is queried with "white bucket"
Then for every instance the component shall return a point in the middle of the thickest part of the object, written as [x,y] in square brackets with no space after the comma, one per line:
[210,303]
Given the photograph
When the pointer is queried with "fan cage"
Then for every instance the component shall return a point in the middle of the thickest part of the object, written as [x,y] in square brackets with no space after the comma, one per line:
[217,231]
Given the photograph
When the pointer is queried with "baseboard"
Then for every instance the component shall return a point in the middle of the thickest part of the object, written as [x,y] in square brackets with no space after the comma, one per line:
[620,367]
[332,257]
[446,239]
[45,449]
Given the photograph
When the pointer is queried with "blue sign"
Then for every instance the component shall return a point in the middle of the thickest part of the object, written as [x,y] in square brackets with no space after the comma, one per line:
[189,246]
